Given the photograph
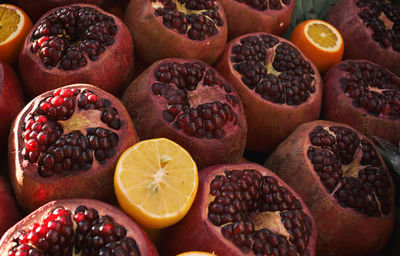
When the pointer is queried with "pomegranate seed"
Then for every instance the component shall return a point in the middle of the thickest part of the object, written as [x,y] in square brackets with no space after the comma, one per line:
[92,98]
[29,124]
[42,230]
[57,101]
[26,135]
[41,119]
[43,39]
[65,93]
[79,217]
[42,138]
[33,238]
[32,145]
[56,92]
[23,238]
[33,227]
[22,253]
[45,106]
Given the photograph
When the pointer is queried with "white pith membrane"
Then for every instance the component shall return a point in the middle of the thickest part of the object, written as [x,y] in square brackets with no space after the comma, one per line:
[275,222]
[181,11]
[85,118]
[326,38]
[273,69]
[36,238]
[358,182]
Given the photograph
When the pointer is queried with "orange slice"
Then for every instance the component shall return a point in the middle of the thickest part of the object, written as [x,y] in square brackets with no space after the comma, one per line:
[320,42]
[14,26]
[156,182]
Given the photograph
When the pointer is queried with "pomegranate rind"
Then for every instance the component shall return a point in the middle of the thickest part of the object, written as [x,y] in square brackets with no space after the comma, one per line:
[154,41]
[146,114]
[32,190]
[357,38]
[244,19]
[133,229]
[341,231]
[208,237]
[112,72]
[338,107]
[269,123]
[9,214]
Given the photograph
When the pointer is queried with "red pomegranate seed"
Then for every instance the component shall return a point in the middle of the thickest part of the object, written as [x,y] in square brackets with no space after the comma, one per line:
[65,93]
[45,106]
[80,216]
[57,92]
[32,145]
[92,98]
[41,119]
[43,39]
[33,238]
[29,124]
[57,101]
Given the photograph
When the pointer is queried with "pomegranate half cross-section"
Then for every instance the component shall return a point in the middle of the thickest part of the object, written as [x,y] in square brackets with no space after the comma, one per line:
[279,86]
[77,44]
[76,227]
[243,209]
[65,143]
[345,183]
[177,29]
[189,102]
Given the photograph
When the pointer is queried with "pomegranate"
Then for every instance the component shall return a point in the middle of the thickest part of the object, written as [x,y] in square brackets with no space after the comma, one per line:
[177,29]
[35,9]
[365,96]
[11,101]
[270,16]
[279,87]
[189,102]
[77,44]
[65,144]
[370,30]
[243,209]
[76,227]
[345,183]
[9,214]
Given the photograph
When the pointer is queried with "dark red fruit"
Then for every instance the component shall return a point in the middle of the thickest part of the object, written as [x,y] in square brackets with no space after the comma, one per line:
[65,144]
[269,16]
[280,88]
[189,102]
[9,214]
[11,101]
[345,183]
[77,44]
[365,96]
[370,30]
[177,29]
[76,227]
[243,209]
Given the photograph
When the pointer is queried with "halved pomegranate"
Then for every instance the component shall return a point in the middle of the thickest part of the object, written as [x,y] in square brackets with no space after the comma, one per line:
[65,144]
[189,102]
[177,29]
[269,16]
[76,227]
[279,86]
[365,96]
[345,183]
[370,30]
[77,44]
[243,209]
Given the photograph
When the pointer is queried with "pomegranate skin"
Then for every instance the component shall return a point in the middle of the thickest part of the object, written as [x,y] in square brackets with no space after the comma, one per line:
[33,190]
[338,107]
[11,100]
[154,41]
[134,231]
[112,71]
[243,19]
[196,233]
[341,231]
[9,214]
[269,123]
[357,38]
[146,114]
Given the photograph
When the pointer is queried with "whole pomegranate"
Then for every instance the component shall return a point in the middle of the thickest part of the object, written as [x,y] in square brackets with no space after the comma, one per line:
[344,182]
[9,214]
[270,16]
[370,30]
[65,144]
[76,227]
[11,101]
[243,209]
[177,29]
[77,44]
[365,96]
[279,87]
[190,103]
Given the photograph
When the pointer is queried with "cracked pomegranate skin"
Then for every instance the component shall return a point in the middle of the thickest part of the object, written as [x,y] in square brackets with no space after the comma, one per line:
[75,228]
[369,103]
[51,158]
[106,62]
[351,220]
[197,232]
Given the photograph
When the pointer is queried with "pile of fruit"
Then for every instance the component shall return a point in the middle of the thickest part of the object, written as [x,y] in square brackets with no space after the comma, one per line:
[199,127]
